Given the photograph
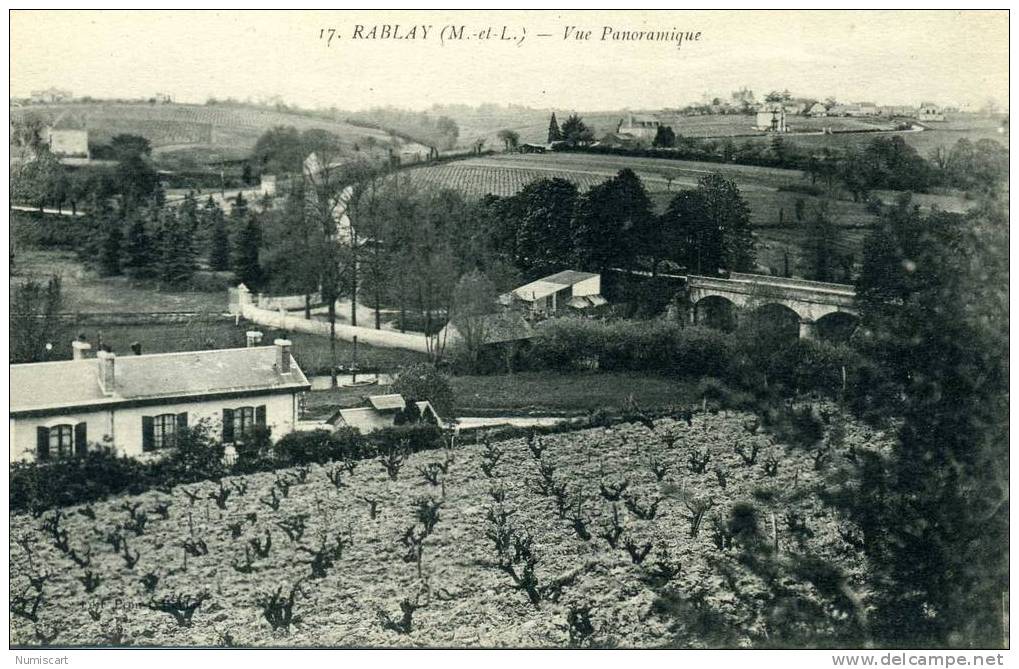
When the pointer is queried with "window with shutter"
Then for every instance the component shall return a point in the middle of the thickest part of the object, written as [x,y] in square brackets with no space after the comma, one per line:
[80,439]
[260,415]
[148,434]
[42,438]
[228,426]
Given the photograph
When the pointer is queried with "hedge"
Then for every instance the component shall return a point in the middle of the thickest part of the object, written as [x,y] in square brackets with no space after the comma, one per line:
[36,487]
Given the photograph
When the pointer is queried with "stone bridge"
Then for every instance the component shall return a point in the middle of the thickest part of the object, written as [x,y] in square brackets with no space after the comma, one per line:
[811,301]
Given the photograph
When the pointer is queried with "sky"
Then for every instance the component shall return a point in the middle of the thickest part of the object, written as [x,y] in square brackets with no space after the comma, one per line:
[893,57]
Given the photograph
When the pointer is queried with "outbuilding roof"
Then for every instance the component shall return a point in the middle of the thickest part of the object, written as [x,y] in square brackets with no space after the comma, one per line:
[551,284]
[51,386]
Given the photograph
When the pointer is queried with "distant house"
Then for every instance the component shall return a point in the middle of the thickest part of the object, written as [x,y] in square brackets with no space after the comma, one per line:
[381,412]
[532,148]
[551,294]
[868,109]
[67,137]
[642,127]
[817,110]
[930,112]
[49,96]
[501,327]
[136,405]
[897,110]
[845,110]
[771,118]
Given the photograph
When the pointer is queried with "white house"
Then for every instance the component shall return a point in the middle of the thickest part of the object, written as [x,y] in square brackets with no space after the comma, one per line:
[930,112]
[771,117]
[381,412]
[135,405]
[570,288]
[641,127]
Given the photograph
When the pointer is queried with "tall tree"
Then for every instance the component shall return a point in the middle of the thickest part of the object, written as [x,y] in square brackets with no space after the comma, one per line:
[138,253]
[109,258]
[542,217]
[575,132]
[219,238]
[821,242]
[708,229]
[475,300]
[934,303]
[665,137]
[176,248]
[35,322]
[611,222]
[554,133]
[509,138]
[246,263]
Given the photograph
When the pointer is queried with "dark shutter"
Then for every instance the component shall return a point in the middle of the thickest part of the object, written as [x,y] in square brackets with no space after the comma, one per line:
[228,426]
[182,420]
[42,443]
[148,433]
[80,439]
[260,415]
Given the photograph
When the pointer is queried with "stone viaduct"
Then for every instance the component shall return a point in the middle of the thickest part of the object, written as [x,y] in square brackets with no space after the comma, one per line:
[811,301]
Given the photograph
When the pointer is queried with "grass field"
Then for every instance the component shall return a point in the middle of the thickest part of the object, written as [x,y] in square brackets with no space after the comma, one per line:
[195,133]
[546,392]
[84,291]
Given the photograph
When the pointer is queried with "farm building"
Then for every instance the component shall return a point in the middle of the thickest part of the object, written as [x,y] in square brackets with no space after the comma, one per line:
[49,96]
[641,127]
[930,112]
[771,118]
[818,110]
[67,137]
[551,294]
[898,110]
[136,405]
[384,411]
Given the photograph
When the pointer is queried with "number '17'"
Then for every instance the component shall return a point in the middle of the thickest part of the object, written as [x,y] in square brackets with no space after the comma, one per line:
[331,33]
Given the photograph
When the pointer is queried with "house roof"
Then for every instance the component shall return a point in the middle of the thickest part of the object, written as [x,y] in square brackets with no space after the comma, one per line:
[369,419]
[551,284]
[67,121]
[50,386]
[586,301]
[387,402]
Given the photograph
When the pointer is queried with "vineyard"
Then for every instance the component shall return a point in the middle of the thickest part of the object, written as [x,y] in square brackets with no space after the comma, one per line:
[586,539]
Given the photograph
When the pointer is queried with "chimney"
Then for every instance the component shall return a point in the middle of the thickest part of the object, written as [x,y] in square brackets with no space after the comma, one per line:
[254,338]
[80,349]
[283,355]
[105,360]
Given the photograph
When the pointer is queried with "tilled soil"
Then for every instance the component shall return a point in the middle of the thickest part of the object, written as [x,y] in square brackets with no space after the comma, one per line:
[465,600]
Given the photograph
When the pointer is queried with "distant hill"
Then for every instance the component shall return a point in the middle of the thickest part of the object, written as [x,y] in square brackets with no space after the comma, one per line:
[197,134]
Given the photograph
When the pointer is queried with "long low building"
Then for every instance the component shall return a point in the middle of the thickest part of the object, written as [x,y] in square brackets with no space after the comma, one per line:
[136,405]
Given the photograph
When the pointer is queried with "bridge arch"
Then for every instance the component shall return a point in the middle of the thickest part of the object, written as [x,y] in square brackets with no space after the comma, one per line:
[779,320]
[837,326]
[716,311]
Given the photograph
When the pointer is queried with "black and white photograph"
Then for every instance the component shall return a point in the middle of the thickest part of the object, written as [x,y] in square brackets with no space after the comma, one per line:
[509,329]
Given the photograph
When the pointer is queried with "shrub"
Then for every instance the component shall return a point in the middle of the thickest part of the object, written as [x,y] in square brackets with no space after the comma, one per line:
[423,382]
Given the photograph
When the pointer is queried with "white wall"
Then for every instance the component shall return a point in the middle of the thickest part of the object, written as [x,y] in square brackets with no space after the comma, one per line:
[590,286]
[124,425]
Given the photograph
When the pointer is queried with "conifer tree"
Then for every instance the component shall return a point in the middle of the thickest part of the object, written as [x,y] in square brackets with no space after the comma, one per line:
[139,254]
[554,134]
[109,258]
[245,261]
[219,239]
